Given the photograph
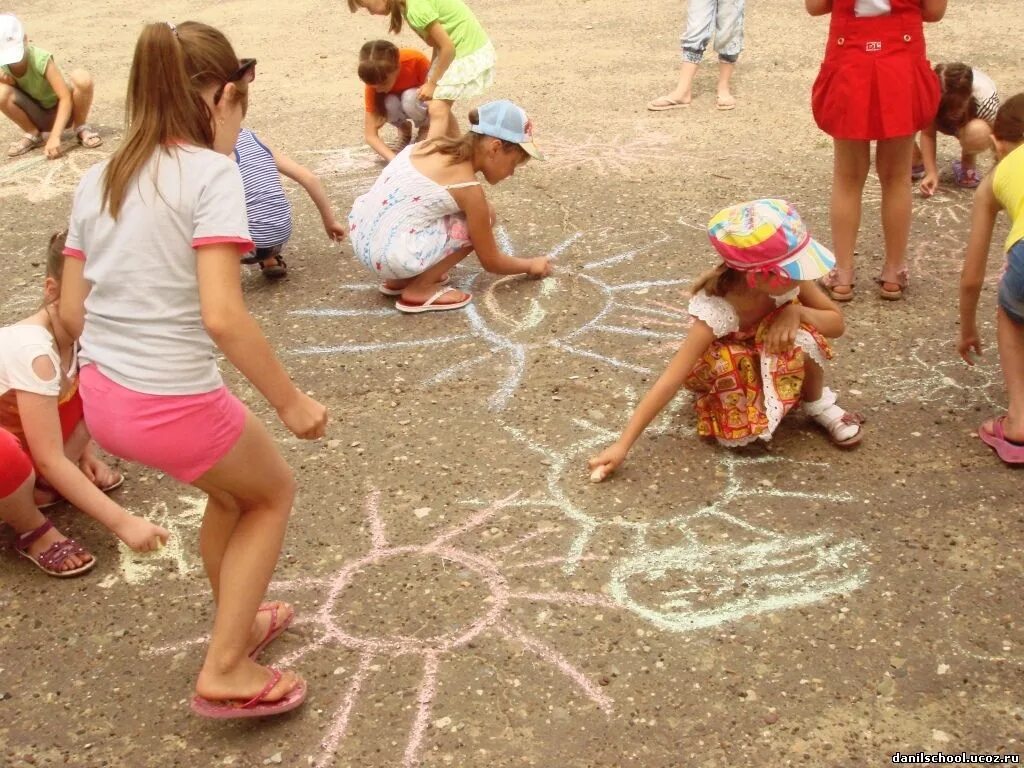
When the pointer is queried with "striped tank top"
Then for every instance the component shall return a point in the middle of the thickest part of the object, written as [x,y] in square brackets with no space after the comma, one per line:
[267,206]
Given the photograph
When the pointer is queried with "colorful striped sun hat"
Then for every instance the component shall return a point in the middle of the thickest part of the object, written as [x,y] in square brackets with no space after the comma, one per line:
[768,236]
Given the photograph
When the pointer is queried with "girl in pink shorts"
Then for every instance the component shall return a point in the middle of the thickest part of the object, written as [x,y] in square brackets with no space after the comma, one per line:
[153,287]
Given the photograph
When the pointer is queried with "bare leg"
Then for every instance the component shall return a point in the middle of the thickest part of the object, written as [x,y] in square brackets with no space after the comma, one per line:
[82,90]
[725,97]
[814,381]
[241,545]
[682,93]
[850,170]
[441,118]
[426,284]
[1010,336]
[20,512]
[13,112]
[892,160]
[975,138]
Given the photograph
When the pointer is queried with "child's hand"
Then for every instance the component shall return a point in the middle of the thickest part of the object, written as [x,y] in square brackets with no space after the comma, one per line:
[929,184]
[969,341]
[539,267]
[304,417]
[335,230]
[781,334]
[6,79]
[426,91]
[607,461]
[141,535]
[52,148]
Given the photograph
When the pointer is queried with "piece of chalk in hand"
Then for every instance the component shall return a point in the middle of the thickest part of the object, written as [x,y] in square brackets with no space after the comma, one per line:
[597,475]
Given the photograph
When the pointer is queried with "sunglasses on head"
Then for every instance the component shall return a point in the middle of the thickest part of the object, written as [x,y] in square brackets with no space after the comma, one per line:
[245,73]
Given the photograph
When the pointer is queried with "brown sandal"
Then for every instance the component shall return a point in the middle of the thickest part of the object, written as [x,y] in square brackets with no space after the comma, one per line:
[839,278]
[901,278]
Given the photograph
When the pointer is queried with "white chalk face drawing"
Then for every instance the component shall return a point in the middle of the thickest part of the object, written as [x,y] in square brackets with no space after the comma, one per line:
[38,179]
[182,520]
[720,568]
[512,318]
[344,625]
[350,168]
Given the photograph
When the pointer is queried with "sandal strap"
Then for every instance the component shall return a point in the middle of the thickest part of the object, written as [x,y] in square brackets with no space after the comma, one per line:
[837,276]
[58,553]
[26,540]
[901,278]
[275,678]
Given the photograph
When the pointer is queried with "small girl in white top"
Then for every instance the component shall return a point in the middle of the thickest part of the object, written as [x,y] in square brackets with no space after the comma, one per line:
[43,438]
[427,212]
[154,280]
[967,111]
[757,346]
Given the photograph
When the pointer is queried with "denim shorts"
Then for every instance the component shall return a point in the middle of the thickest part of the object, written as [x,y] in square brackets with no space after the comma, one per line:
[1011,285]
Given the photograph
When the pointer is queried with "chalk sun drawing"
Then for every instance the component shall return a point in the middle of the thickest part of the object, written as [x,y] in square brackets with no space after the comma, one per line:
[759,571]
[138,568]
[932,372]
[330,623]
[513,317]
[39,179]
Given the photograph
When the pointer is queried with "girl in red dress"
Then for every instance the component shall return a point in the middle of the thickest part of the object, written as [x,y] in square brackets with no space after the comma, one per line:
[875,84]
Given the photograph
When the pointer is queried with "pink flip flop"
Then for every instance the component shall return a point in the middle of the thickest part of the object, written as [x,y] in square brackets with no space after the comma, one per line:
[429,305]
[1010,452]
[398,291]
[235,709]
[273,631]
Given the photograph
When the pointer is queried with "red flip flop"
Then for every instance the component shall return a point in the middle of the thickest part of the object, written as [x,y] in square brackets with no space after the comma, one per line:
[1010,452]
[412,308]
[274,630]
[235,709]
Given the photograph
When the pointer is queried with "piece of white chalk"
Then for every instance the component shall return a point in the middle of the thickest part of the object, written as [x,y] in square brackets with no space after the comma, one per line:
[597,475]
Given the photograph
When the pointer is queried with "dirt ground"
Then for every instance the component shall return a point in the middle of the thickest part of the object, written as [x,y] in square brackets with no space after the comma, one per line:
[466,597]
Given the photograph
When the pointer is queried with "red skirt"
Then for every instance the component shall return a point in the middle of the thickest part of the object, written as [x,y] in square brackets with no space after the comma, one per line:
[875,83]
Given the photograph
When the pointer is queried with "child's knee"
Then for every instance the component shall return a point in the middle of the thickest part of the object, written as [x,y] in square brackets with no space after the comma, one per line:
[438,110]
[80,80]
[975,136]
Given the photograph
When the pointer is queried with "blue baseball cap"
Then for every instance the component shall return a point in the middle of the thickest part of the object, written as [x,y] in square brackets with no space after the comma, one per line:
[506,121]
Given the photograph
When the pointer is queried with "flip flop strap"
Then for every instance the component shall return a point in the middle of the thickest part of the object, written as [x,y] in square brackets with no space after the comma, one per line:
[26,540]
[275,678]
[59,552]
[272,609]
[430,302]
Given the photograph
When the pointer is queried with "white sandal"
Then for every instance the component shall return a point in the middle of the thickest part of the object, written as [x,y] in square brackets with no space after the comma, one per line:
[843,427]
[430,306]
[87,137]
[26,143]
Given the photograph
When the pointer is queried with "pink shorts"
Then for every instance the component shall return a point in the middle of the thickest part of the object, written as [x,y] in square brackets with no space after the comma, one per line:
[182,435]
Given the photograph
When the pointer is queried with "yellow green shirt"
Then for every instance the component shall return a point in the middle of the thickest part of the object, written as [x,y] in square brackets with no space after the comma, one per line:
[34,81]
[1008,185]
[454,17]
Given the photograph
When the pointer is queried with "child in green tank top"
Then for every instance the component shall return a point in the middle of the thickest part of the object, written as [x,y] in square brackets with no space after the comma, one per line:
[35,96]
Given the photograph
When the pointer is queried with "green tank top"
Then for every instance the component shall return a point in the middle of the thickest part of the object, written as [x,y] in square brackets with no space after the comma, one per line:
[34,81]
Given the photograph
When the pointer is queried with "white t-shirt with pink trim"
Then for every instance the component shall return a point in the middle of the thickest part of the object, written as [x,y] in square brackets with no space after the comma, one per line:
[143,326]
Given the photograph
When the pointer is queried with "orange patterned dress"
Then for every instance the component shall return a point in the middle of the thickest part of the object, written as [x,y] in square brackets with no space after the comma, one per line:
[742,393]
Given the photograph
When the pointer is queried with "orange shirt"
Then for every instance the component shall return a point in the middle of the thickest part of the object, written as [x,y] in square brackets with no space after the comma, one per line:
[412,73]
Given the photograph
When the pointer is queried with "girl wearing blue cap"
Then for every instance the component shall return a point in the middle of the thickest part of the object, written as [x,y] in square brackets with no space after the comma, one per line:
[427,211]
[757,347]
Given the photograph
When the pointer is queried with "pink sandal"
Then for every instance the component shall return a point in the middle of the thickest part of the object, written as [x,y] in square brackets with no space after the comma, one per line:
[233,709]
[839,278]
[900,278]
[1007,450]
[50,560]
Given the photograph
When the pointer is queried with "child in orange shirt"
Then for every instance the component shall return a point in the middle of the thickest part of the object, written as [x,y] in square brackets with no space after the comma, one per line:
[393,79]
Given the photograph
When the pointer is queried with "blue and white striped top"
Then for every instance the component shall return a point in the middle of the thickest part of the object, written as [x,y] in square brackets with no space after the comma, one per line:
[267,206]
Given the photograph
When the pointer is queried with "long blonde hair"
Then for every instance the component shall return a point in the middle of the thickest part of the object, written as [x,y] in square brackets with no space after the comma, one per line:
[464,148]
[170,69]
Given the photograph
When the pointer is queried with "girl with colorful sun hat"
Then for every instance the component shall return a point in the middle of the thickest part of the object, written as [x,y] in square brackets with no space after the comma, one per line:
[757,347]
